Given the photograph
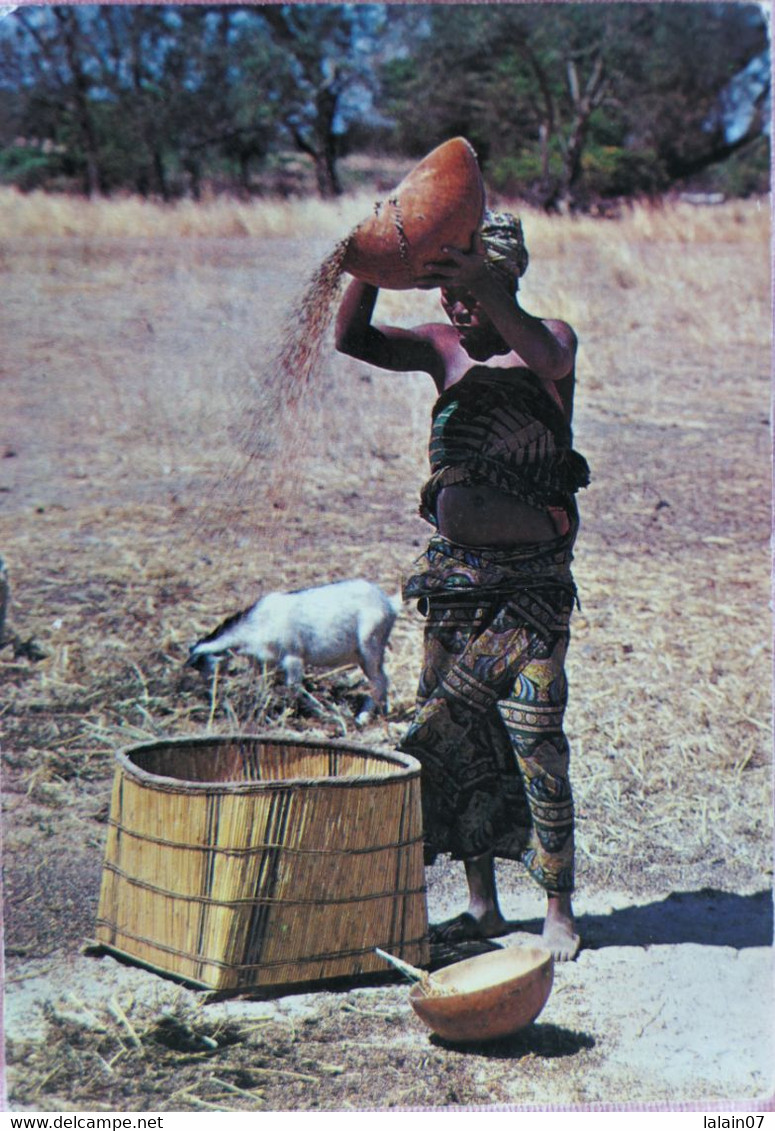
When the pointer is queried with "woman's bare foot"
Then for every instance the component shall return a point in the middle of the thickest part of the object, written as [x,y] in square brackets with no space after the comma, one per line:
[559,934]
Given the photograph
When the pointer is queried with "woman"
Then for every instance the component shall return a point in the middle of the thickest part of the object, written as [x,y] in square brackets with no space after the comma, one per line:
[495,582]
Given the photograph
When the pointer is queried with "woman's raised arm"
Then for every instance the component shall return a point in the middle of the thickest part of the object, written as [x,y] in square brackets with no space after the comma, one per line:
[389,347]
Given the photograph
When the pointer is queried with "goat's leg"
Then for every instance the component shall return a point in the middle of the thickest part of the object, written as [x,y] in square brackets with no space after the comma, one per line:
[294,674]
[372,661]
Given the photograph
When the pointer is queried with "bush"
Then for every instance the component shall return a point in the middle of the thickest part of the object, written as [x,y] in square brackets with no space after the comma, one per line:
[519,174]
[610,171]
[28,167]
[744,174]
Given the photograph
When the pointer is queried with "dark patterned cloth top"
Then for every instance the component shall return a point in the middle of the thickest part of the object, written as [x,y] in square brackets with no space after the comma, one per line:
[501,428]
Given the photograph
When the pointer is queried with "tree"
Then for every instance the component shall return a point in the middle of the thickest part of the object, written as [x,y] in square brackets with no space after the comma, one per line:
[694,52]
[158,91]
[57,65]
[138,95]
[175,79]
[548,70]
[567,101]
[323,49]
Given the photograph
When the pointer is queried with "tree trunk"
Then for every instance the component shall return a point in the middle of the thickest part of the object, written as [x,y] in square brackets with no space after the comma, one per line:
[328,182]
[547,185]
[571,158]
[68,23]
[584,103]
[325,156]
[160,176]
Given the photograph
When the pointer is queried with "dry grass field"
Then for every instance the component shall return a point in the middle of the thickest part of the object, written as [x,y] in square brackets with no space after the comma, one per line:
[153,478]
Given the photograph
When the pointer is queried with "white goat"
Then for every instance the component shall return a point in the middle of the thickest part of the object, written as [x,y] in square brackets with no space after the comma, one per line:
[347,622]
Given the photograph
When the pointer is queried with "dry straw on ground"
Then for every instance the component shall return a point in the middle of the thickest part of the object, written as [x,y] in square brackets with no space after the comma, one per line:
[134,365]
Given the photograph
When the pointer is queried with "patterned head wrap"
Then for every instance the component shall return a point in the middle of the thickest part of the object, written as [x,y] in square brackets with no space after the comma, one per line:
[504,245]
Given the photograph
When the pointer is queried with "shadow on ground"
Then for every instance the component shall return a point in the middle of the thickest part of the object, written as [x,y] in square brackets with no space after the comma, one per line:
[708,917]
[547,1041]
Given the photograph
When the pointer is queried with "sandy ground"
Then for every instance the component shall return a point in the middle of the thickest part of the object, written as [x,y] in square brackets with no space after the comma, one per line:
[669,1003]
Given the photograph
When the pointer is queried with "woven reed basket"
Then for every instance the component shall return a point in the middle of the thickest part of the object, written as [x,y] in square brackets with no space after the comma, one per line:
[250,861]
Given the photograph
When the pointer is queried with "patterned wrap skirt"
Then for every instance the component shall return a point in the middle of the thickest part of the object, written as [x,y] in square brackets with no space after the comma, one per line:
[488,728]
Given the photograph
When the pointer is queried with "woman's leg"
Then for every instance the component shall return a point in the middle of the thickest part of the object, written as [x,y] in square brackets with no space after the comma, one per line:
[488,787]
[472,790]
[534,718]
[483,905]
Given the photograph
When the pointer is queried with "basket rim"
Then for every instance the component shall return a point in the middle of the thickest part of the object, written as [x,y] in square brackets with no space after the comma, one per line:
[406,767]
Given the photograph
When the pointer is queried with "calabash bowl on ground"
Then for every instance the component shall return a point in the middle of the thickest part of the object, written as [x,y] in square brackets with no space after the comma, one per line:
[486,997]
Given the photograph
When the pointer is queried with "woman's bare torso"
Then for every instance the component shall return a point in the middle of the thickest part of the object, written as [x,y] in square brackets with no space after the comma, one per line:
[485,516]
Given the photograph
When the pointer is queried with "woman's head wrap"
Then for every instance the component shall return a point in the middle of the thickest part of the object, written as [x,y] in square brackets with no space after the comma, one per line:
[504,245]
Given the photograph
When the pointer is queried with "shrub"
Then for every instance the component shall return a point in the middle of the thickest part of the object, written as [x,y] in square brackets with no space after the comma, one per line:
[28,167]
[611,171]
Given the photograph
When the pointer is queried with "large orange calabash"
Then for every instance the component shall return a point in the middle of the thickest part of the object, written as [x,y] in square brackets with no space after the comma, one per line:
[440,203]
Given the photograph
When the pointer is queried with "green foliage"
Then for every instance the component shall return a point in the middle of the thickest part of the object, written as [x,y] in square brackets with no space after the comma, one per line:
[611,171]
[743,174]
[571,102]
[607,172]
[564,103]
[28,168]
[518,175]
